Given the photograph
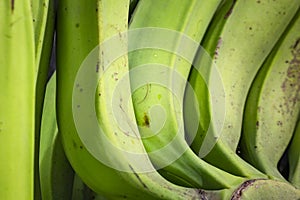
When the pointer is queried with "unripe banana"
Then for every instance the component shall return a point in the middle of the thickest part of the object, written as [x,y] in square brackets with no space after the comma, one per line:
[273,105]
[17,100]
[56,174]
[158,79]
[77,34]
[43,17]
[238,41]
[294,158]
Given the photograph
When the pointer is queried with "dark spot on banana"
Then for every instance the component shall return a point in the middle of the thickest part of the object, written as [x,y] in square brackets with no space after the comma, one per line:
[74,144]
[255,147]
[279,123]
[296,43]
[12,5]
[81,147]
[146,120]
[258,1]
[230,10]
[97,67]
[237,195]
[257,124]
[77,25]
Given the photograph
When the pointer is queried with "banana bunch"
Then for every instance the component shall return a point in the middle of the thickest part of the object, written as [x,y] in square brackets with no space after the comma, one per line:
[237,43]
[150,99]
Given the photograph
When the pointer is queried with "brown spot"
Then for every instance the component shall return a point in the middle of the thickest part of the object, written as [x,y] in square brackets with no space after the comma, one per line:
[230,10]
[257,124]
[74,144]
[146,120]
[279,123]
[12,5]
[296,43]
[97,67]
[239,191]
[258,1]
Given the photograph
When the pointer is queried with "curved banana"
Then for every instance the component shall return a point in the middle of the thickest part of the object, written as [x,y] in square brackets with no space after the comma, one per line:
[272,106]
[43,17]
[56,174]
[238,41]
[158,78]
[77,34]
[294,158]
[17,105]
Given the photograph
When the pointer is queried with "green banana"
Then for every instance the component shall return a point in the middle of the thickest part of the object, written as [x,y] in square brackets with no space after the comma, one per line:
[238,41]
[77,34]
[17,80]
[294,158]
[56,174]
[43,16]
[154,72]
[272,105]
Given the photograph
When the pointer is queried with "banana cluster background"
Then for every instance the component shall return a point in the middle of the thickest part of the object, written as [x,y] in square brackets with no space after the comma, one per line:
[150,99]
